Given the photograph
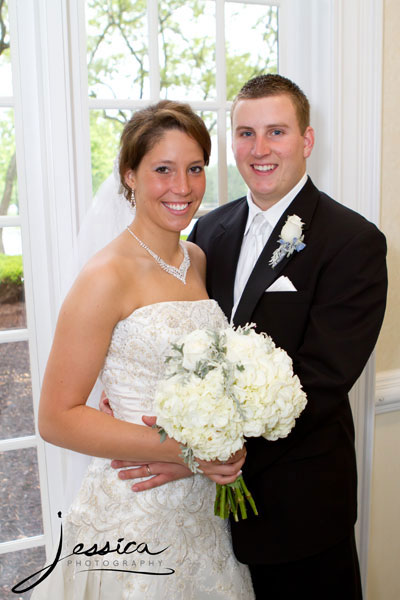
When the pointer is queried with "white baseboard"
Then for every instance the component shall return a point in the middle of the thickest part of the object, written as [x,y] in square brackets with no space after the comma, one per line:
[387,391]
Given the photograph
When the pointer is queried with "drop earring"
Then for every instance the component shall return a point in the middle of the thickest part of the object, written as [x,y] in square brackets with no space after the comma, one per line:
[133,199]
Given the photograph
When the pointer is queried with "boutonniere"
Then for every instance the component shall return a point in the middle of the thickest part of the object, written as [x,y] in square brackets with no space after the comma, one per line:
[291,240]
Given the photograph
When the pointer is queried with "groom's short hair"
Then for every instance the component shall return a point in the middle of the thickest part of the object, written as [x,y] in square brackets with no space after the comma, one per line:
[271,84]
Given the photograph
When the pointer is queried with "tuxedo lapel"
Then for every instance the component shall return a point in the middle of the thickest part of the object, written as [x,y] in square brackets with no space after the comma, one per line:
[226,249]
[263,275]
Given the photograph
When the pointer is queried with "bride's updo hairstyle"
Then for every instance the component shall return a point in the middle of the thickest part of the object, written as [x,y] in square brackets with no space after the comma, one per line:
[148,126]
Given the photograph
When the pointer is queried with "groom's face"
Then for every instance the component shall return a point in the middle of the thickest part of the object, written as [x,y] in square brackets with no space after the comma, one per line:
[269,148]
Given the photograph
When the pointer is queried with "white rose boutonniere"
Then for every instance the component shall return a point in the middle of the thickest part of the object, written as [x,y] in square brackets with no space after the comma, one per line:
[291,240]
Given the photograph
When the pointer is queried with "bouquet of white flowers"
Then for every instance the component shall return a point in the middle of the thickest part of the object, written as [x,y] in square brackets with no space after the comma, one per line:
[220,387]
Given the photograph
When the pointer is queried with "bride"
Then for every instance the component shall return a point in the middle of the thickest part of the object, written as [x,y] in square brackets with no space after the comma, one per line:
[128,304]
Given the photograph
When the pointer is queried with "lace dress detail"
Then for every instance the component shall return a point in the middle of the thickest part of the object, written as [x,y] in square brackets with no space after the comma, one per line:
[175,519]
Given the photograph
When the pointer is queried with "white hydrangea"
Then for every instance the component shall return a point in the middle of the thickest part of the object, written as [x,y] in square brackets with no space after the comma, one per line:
[223,386]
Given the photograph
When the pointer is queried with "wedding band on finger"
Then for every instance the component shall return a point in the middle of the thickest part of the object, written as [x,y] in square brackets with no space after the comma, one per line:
[148,470]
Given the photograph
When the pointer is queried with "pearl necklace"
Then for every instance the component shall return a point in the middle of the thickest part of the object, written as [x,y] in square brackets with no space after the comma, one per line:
[179,273]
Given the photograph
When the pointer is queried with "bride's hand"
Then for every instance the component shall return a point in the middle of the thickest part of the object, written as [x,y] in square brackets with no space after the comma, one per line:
[160,472]
[226,472]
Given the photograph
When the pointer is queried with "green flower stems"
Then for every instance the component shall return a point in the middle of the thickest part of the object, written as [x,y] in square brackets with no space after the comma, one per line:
[230,497]
[248,496]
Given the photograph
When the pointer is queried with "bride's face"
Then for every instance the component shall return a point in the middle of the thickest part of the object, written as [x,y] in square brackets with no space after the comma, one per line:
[169,182]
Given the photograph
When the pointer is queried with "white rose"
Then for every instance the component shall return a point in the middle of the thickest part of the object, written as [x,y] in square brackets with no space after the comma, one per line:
[195,348]
[251,376]
[292,229]
[244,348]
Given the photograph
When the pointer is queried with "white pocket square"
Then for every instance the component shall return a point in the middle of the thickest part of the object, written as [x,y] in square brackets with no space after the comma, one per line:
[282,284]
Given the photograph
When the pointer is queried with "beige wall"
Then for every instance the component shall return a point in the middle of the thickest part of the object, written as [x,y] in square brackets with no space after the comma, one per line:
[384,551]
[388,349]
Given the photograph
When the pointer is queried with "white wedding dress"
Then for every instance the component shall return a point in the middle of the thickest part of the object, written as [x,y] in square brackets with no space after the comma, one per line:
[177,517]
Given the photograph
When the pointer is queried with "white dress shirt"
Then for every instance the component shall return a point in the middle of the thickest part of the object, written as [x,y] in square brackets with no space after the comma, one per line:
[259,226]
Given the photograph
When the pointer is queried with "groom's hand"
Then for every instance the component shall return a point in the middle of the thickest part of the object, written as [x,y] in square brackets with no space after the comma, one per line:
[104,404]
[224,472]
[217,471]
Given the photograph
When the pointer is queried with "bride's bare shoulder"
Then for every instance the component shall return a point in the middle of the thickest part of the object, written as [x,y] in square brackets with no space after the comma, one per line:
[197,257]
[112,261]
[104,279]
[195,252]
[104,264]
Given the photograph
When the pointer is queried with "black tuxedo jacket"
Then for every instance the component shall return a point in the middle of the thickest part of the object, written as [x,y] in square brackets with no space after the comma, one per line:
[305,486]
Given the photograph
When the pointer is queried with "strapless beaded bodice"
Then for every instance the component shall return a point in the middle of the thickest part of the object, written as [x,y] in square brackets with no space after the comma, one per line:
[135,359]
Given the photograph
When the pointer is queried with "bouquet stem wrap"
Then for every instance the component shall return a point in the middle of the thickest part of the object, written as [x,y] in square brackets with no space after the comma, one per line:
[221,386]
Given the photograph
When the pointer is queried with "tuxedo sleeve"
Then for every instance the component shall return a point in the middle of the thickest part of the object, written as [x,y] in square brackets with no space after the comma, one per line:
[344,321]
[343,324]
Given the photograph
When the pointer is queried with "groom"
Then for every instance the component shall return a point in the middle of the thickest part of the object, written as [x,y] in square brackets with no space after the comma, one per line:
[324,305]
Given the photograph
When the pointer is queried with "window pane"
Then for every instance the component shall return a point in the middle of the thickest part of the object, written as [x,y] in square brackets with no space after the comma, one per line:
[251,43]
[16,408]
[185,232]
[236,185]
[105,132]
[5,64]
[8,165]
[21,513]
[210,199]
[16,566]
[187,49]
[117,53]
[12,301]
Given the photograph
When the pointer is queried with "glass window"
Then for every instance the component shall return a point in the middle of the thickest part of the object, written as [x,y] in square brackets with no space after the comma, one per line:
[8,165]
[21,513]
[16,408]
[251,32]
[117,52]
[236,185]
[187,49]
[15,566]
[105,131]
[12,298]
[5,63]
[210,199]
